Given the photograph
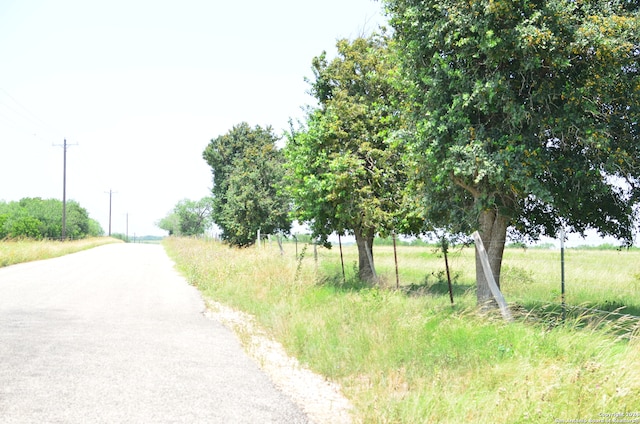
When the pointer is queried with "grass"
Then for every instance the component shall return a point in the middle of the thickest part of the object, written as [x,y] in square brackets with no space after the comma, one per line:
[25,250]
[408,356]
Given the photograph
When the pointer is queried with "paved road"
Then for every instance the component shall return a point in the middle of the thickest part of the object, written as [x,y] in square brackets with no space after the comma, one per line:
[115,335]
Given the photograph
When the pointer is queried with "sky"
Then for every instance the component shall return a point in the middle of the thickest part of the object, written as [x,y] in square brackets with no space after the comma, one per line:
[138,88]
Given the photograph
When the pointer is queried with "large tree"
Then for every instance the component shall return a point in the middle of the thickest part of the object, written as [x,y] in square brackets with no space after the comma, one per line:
[248,172]
[345,163]
[525,113]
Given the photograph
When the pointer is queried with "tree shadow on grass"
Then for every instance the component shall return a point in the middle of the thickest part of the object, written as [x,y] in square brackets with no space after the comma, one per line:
[622,321]
[429,287]
[439,288]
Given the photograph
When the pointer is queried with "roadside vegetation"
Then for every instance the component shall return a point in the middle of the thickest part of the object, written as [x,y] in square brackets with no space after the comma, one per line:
[40,219]
[15,251]
[408,356]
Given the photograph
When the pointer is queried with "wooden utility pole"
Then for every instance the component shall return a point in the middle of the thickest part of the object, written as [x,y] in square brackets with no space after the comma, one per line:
[110,198]
[63,234]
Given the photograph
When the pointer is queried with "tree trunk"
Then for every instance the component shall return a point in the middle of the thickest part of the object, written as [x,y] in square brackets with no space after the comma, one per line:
[366,270]
[493,232]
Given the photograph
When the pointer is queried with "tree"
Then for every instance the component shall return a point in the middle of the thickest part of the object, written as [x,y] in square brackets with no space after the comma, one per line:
[188,217]
[170,223]
[525,113]
[42,218]
[345,164]
[247,190]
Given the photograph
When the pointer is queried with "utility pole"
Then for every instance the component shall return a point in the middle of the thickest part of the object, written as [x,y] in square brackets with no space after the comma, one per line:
[64,187]
[110,198]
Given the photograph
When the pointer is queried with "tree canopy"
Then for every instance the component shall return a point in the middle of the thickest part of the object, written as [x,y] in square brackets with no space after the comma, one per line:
[525,114]
[248,173]
[345,170]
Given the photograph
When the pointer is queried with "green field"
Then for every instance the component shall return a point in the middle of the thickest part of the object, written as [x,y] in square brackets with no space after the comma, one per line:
[603,279]
[409,356]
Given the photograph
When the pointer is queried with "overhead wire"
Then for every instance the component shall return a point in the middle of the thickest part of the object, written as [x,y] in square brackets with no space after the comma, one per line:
[25,121]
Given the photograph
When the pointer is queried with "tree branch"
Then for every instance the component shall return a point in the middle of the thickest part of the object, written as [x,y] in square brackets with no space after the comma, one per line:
[460,183]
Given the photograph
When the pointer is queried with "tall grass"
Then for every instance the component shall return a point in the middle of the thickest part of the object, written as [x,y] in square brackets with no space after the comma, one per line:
[408,356]
[26,250]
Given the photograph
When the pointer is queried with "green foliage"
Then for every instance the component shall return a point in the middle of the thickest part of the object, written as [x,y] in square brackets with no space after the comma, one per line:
[95,229]
[170,223]
[529,108]
[42,219]
[4,217]
[120,236]
[525,113]
[188,218]
[247,190]
[346,170]
[24,226]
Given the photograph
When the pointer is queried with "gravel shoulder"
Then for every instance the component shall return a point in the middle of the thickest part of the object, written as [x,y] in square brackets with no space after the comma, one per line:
[320,399]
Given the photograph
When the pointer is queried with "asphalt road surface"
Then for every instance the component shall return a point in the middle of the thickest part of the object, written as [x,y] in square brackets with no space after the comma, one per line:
[115,335]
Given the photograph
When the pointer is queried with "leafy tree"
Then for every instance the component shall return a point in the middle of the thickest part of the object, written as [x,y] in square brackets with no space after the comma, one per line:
[526,114]
[170,223]
[346,172]
[4,217]
[77,221]
[247,190]
[188,218]
[95,229]
[42,218]
[24,226]
[195,217]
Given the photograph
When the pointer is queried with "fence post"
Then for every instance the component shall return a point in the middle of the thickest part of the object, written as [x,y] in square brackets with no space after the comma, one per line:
[484,259]
[344,278]
[395,259]
[564,304]
[445,251]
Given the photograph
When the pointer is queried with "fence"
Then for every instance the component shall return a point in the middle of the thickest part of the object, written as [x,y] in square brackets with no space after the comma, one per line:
[604,284]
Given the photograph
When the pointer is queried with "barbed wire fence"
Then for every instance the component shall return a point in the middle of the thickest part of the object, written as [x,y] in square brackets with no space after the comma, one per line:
[555,276]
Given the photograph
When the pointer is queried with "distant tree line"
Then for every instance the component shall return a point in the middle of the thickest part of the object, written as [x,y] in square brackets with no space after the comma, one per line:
[42,219]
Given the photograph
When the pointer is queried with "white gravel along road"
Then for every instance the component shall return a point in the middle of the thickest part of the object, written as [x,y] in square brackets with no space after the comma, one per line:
[115,335]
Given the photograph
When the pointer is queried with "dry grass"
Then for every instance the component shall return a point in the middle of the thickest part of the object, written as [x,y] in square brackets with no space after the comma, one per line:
[25,250]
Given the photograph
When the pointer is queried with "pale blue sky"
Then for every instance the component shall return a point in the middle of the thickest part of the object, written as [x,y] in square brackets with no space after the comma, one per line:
[141,87]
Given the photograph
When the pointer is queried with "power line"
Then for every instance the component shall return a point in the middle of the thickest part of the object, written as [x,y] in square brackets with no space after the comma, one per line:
[21,115]
[32,117]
